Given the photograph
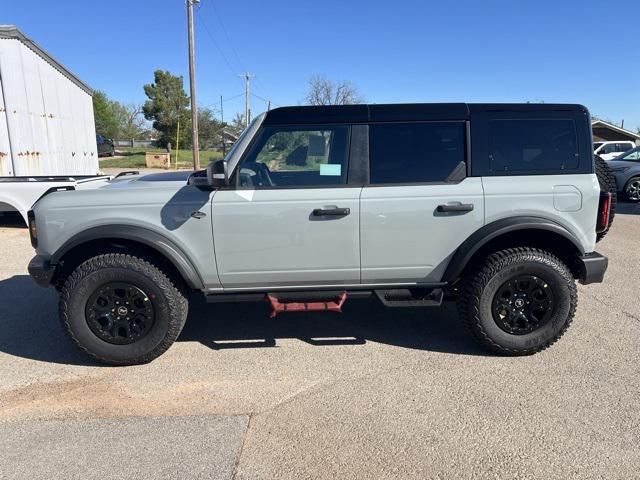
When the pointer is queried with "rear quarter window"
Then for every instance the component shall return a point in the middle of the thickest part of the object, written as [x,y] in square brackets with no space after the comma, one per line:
[532,145]
[624,147]
[531,140]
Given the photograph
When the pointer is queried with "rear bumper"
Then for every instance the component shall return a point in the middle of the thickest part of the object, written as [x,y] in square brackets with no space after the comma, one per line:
[41,270]
[593,266]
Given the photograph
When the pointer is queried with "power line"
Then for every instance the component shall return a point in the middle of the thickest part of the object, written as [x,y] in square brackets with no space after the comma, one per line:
[215,42]
[226,60]
[226,34]
[259,83]
[265,100]
[228,99]
[234,97]
[246,76]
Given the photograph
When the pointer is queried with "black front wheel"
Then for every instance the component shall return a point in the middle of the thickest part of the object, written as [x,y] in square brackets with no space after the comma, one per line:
[518,301]
[121,309]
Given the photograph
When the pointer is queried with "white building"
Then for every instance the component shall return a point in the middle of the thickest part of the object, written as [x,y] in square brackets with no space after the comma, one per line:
[46,113]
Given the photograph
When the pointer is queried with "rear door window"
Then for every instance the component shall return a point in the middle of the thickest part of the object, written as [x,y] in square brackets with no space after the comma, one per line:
[532,145]
[415,152]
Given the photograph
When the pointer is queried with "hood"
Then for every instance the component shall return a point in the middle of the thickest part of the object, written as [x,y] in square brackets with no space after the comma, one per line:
[623,163]
[124,193]
[150,180]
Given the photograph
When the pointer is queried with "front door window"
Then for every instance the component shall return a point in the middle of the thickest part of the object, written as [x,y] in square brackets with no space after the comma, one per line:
[296,157]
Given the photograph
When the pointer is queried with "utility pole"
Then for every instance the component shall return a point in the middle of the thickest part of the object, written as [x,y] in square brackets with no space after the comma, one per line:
[247,93]
[224,147]
[192,84]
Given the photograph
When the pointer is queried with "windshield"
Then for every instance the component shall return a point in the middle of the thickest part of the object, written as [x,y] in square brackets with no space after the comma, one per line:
[596,146]
[632,156]
[243,141]
[235,144]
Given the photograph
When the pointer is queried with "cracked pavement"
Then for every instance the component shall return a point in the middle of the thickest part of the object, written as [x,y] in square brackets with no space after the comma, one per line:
[372,393]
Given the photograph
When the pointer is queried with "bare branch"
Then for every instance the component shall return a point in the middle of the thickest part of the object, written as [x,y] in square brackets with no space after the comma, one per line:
[323,91]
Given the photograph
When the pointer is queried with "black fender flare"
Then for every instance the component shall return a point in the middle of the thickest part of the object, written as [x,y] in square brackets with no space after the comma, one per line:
[493,230]
[145,236]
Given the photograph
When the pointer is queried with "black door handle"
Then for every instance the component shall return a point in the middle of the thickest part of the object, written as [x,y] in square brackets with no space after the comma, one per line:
[455,207]
[331,212]
[198,215]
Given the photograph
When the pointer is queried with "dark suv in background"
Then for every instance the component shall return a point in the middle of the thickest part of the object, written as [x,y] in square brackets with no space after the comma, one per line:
[626,169]
[106,147]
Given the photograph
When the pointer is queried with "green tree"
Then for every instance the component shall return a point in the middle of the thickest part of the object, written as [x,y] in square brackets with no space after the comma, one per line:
[115,120]
[167,105]
[237,124]
[105,117]
[209,129]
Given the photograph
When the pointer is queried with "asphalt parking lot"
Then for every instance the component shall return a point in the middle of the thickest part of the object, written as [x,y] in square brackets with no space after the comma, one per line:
[372,393]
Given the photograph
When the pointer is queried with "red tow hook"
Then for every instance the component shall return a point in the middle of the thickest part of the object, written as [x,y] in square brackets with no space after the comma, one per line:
[329,306]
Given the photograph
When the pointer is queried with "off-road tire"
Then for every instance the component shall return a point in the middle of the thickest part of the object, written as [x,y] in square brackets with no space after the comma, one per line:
[607,184]
[627,196]
[482,281]
[167,295]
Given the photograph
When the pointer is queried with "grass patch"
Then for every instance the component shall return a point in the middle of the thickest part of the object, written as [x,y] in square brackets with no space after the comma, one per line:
[136,158]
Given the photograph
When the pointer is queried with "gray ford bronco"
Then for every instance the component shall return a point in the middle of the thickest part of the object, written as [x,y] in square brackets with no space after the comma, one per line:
[498,206]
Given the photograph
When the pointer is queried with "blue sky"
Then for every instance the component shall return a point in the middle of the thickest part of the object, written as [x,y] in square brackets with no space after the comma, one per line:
[404,51]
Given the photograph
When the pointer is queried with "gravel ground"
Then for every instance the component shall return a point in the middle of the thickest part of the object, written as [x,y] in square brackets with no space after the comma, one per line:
[372,393]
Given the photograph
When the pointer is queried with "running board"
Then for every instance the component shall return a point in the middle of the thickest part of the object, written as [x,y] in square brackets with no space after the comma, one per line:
[414,297]
[284,296]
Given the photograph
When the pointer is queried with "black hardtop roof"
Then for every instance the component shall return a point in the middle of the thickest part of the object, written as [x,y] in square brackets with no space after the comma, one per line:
[401,112]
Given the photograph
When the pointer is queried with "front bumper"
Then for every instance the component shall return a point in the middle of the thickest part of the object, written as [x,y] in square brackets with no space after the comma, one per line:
[41,270]
[592,266]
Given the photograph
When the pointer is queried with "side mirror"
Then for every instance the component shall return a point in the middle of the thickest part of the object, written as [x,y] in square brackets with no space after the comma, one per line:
[217,175]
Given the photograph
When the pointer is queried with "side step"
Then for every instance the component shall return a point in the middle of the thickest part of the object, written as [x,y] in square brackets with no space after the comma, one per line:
[332,301]
[411,297]
[292,302]
[289,296]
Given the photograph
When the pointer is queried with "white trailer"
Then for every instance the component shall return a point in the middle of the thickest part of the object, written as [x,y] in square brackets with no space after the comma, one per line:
[47,130]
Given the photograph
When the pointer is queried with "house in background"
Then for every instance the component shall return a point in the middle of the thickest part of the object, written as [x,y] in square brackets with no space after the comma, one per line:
[608,132]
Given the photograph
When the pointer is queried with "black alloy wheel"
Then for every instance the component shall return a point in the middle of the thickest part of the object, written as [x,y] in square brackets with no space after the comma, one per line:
[632,190]
[120,313]
[523,304]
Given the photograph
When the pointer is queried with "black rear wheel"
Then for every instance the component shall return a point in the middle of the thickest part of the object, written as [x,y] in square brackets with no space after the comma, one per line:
[518,301]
